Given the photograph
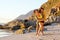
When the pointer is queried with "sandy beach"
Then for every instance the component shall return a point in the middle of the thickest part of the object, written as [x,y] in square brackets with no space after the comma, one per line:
[52,33]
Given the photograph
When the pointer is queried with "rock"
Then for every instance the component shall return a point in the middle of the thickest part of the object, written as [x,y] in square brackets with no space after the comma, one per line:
[20,31]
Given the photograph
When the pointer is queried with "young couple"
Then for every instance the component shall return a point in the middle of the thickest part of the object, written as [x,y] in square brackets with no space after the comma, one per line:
[40,21]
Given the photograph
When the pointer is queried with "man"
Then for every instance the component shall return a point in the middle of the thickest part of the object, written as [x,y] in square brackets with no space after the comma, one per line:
[40,21]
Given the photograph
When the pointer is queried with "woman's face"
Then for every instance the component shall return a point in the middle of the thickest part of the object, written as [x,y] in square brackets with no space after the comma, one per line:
[36,11]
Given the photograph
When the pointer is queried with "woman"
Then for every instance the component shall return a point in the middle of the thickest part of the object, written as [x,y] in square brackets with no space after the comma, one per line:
[40,22]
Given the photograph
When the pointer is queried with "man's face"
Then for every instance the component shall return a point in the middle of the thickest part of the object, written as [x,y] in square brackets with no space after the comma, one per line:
[42,10]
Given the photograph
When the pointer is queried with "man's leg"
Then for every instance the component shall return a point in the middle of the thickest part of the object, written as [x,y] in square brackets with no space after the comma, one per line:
[42,28]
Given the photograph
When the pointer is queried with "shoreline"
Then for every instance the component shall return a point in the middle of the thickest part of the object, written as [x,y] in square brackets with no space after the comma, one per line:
[52,33]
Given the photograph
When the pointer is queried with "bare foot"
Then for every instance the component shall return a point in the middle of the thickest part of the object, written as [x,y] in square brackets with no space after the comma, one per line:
[37,35]
[42,34]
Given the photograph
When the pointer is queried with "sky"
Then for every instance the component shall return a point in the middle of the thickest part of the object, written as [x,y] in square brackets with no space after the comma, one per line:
[10,9]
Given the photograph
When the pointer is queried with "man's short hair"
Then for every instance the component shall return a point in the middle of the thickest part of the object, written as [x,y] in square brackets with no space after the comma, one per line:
[40,9]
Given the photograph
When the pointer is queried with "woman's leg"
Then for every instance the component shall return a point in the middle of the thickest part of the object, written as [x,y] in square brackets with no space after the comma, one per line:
[37,28]
[40,28]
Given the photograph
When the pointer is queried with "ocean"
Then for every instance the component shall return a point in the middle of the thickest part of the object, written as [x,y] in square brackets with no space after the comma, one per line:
[4,33]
